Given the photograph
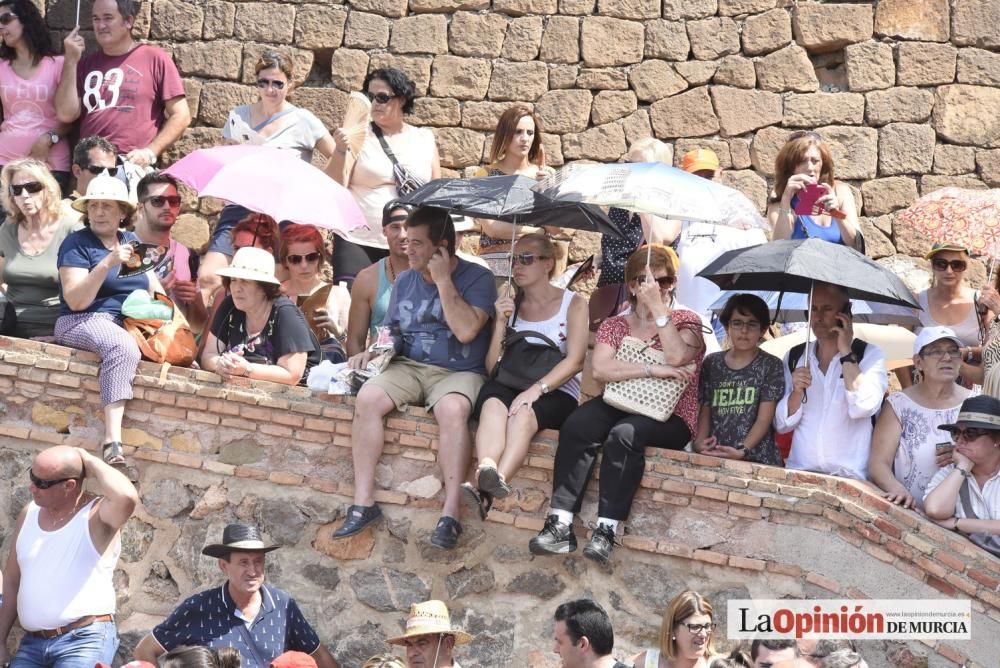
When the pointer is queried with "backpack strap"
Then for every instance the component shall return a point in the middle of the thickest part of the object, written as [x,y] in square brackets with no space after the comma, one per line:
[858,347]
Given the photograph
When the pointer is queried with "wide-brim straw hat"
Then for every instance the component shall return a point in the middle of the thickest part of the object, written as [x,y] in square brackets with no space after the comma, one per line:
[430,618]
[251,264]
[238,537]
[106,188]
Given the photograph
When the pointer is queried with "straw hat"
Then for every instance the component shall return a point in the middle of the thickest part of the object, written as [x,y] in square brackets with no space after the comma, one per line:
[238,537]
[430,618]
[106,188]
[251,264]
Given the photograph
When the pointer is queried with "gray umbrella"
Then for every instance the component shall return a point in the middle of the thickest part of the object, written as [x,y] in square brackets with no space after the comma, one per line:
[795,265]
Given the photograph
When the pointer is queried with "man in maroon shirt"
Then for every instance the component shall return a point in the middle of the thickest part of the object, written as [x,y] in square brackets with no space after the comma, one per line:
[129,93]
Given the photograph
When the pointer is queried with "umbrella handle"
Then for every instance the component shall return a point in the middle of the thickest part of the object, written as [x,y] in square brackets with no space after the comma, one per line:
[805,396]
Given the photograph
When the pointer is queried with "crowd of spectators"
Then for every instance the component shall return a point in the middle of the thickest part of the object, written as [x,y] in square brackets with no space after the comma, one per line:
[271,300]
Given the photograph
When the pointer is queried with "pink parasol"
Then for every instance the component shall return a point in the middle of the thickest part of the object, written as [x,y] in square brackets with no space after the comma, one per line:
[969,218]
[270,181]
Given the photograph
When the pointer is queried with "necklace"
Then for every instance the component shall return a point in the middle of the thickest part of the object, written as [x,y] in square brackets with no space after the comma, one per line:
[59,521]
[392,270]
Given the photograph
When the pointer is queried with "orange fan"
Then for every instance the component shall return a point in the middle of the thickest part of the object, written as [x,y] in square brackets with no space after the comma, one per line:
[357,116]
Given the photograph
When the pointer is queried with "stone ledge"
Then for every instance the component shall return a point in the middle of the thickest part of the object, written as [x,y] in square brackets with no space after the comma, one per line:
[287,436]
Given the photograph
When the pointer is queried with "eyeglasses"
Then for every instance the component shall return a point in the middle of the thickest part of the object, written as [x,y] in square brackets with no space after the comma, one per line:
[968,434]
[941,353]
[96,171]
[701,628]
[528,259]
[270,83]
[664,281]
[940,264]
[159,200]
[31,186]
[7,18]
[297,259]
[380,98]
[744,324]
[45,484]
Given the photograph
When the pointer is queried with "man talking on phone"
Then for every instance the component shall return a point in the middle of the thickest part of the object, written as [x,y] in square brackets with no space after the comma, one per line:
[437,317]
[833,390]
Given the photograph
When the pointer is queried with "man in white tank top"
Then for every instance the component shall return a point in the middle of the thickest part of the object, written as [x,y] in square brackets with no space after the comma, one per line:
[57,579]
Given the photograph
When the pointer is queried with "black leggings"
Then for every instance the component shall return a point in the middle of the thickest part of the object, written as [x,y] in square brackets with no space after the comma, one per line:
[625,438]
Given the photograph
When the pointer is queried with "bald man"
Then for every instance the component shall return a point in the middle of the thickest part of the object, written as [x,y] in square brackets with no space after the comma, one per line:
[57,580]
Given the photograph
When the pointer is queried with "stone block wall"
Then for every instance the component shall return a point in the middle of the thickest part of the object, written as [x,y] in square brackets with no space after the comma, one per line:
[904,91]
[210,453]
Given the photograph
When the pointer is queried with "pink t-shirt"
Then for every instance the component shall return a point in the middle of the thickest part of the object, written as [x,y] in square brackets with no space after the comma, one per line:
[123,96]
[29,110]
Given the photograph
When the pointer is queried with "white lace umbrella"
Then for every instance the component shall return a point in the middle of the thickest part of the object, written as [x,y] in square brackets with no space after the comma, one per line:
[656,188]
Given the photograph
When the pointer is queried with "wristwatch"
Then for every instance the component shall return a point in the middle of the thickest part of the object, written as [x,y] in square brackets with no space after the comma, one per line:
[662,321]
[849,358]
[742,448]
[545,388]
[53,137]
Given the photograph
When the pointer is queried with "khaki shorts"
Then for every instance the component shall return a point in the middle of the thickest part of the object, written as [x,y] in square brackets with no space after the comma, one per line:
[408,382]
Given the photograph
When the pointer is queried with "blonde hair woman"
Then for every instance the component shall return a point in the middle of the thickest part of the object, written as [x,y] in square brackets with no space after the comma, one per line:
[29,245]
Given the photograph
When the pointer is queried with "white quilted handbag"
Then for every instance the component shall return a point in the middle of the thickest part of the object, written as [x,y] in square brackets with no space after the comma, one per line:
[653,397]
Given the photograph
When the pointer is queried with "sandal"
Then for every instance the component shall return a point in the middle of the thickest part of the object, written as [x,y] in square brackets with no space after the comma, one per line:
[492,483]
[477,500]
[446,533]
[114,456]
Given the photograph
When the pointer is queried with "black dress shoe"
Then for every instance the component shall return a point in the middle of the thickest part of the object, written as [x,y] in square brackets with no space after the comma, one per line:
[358,519]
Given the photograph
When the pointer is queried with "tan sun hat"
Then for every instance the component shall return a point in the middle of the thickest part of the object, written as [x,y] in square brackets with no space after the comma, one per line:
[430,618]
[251,264]
[107,188]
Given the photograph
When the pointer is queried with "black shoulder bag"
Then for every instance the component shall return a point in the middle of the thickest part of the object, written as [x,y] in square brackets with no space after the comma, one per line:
[405,182]
[522,363]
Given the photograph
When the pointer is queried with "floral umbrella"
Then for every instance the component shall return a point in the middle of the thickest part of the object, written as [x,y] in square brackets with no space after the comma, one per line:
[969,218]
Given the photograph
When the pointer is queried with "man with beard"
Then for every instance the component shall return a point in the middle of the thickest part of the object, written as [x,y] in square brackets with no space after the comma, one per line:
[260,621]
[159,204]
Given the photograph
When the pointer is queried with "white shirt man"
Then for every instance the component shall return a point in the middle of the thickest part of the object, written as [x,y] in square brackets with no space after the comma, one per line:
[832,395]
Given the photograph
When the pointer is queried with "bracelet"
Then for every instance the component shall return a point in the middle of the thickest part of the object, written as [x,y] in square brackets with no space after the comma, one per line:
[782,209]
[965,474]
[956,529]
[340,151]
[647,370]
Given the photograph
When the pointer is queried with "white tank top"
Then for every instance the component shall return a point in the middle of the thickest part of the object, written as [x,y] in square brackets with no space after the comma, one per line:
[554,328]
[63,578]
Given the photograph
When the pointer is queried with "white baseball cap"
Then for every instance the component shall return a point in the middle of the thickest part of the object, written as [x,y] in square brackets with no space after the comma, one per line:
[929,335]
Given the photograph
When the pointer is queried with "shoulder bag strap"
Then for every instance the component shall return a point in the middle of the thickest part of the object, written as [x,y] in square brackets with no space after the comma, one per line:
[267,121]
[377,131]
[966,501]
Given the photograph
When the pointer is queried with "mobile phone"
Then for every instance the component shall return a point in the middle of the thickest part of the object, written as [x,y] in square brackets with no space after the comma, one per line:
[946,445]
[806,205]
[846,309]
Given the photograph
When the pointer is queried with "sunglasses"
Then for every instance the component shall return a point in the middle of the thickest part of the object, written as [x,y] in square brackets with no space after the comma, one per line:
[380,98]
[297,259]
[271,83]
[45,484]
[97,171]
[32,187]
[941,264]
[159,200]
[664,281]
[968,435]
[528,259]
[799,134]
[7,18]
[698,628]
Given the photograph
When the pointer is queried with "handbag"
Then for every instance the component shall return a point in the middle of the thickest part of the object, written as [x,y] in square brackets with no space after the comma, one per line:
[654,398]
[522,362]
[164,341]
[405,181]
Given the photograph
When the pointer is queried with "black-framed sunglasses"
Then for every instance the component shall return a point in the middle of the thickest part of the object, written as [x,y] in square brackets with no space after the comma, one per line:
[940,264]
[380,98]
[45,484]
[271,83]
[97,171]
[7,18]
[32,187]
[309,258]
[159,200]
[528,259]
[663,281]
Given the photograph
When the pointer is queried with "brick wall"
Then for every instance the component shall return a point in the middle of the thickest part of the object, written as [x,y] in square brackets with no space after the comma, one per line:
[209,453]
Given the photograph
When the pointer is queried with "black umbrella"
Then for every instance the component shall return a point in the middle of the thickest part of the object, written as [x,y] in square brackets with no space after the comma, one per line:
[510,199]
[794,265]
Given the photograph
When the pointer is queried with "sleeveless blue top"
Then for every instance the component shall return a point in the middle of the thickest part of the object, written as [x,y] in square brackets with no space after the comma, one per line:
[806,227]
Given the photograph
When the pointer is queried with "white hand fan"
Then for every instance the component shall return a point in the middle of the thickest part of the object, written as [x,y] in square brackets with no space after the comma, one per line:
[357,117]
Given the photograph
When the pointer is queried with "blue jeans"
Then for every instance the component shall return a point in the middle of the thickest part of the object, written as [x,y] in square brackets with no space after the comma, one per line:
[79,648]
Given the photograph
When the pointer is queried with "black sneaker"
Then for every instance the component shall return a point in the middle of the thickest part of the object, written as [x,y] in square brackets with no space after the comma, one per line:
[358,519]
[446,533]
[602,541]
[554,538]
